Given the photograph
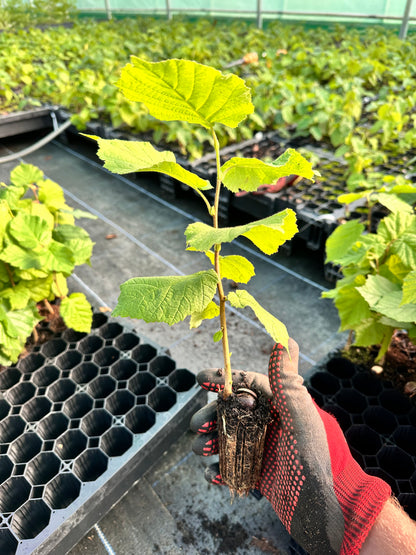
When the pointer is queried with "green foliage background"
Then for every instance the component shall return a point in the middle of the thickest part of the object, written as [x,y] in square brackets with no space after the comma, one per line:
[352,90]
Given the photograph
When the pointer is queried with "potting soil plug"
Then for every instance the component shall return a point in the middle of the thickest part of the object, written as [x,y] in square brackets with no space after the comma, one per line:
[320,493]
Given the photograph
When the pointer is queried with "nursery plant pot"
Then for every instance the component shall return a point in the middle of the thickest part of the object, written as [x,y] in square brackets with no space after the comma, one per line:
[242,425]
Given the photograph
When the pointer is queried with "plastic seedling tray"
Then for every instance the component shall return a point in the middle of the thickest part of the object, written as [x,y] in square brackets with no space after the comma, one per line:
[81,419]
[378,420]
[16,123]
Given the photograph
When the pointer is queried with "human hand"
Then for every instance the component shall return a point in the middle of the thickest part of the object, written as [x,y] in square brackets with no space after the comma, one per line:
[325,500]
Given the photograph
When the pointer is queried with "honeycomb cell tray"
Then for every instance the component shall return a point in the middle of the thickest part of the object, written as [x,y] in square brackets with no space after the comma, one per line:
[81,419]
[378,420]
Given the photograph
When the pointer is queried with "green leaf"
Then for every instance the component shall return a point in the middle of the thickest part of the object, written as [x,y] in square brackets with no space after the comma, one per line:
[53,258]
[58,258]
[78,214]
[40,210]
[385,297]
[4,275]
[277,330]
[393,203]
[76,312]
[29,231]
[394,269]
[11,194]
[234,267]
[405,248]
[403,189]
[412,333]
[25,174]
[287,113]
[374,245]
[59,286]
[394,225]
[21,322]
[131,156]
[51,194]
[5,217]
[390,322]
[21,258]
[31,273]
[348,198]
[267,234]
[247,174]
[375,288]
[218,335]
[409,288]
[40,288]
[341,240]
[65,216]
[17,296]
[77,240]
[352,307]
[183,90]
[212,310]
[371,332]
[167,299]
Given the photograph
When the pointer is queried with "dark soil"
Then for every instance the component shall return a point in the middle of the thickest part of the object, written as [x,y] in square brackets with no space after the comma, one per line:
[46,329]
[242,424]
[262,150]
[231,535]
[51,324]
[399,366]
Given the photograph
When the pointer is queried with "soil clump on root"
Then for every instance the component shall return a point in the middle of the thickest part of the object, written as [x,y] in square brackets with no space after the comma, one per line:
[242,425]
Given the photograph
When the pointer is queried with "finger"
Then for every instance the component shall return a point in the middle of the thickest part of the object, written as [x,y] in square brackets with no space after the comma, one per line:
[205,420]
[288,361]
[213,476]
[205,445]
[212,379]
[291,399]
[283,368]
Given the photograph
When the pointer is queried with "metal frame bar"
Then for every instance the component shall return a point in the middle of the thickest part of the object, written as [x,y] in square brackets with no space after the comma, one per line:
[264,12]
[259,13]
[108,9]
[405,22]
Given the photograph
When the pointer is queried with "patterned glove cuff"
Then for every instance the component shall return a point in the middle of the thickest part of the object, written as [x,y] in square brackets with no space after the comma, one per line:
[361,497]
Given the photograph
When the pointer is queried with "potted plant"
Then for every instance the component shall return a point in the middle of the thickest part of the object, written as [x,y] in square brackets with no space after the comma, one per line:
[184,90]
[40,247]
[376,297]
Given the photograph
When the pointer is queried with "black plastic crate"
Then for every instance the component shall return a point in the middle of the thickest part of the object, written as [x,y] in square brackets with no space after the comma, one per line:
[82,417]
[378,420]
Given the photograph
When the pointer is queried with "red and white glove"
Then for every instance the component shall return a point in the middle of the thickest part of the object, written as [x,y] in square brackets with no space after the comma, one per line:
[325,500]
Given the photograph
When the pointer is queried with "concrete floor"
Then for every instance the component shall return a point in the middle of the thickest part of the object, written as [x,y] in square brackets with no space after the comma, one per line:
[172,509]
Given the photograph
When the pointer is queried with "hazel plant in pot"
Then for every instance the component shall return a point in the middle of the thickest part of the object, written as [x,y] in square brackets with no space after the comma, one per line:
[182,90]
[376,297]
[40,246]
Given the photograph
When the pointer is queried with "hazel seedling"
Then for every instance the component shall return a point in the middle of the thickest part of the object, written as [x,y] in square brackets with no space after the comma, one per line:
[183,90]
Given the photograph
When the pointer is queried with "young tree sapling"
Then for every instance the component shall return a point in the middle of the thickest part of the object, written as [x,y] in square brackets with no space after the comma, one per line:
[183,90]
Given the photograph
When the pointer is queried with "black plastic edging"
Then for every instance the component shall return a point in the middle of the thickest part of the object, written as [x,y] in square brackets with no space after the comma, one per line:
[378,420]
[81,419]
[34,119]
